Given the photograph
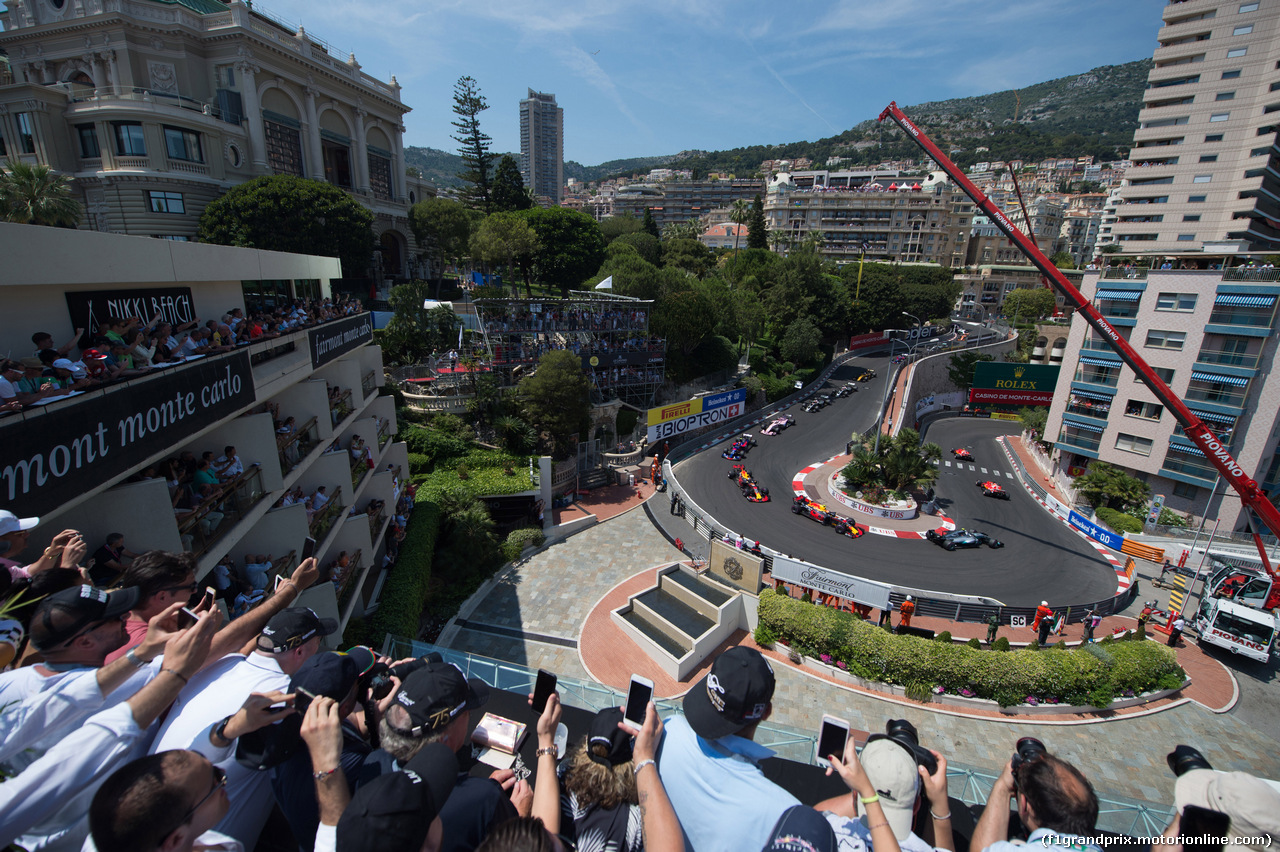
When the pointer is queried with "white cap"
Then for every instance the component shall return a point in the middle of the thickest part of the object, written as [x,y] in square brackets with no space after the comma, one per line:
[11,523]
[1044,603]
[908,597]
[64,364]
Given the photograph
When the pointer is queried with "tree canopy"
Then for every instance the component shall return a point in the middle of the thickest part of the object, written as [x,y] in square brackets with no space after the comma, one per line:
[293,214]
[1028,303]
[443,228]
[556,399]
[1107,485]
[570,246]
[613,227]
[415,331]
[477,159]
[504,238]
[507,192]
[757,231]
[960,368]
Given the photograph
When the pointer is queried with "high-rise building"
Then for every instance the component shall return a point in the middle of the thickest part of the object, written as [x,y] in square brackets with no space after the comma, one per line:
[542,146]
[1206,169]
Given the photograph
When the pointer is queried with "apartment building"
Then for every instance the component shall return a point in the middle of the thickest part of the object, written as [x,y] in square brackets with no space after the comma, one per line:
[1206,168]
[1211,336]
[95,461]
[674,202]
[156,108]
[542,147]
[1079,234]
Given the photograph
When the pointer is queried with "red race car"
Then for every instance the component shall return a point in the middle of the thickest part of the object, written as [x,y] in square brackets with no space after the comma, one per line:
[962,454]
[846,526]
[993,489]
[751,489]
[802,505]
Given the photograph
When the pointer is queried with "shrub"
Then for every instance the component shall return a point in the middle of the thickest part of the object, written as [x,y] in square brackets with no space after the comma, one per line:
[1001,644]
[1102,695]
[920,691]
[1061,644]
[405,592]
[518,540]
[944,637]
[1033,645]
[764,636]
[974,643]
[1119,521]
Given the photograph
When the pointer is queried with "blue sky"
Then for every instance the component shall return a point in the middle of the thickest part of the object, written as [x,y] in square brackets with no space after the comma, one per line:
[649,77]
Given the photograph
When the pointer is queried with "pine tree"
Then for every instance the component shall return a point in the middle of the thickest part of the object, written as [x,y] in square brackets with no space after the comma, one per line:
[507,193]
[468,103]
[757,238]
[648,225]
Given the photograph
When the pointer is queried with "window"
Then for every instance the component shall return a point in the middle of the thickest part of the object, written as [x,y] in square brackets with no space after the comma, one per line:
[1231,75]
[183,145]
[1213,137]
[129,139]
[1176,301]
[380,176]
[1165,339]
[1202,179]
[1191,217]
[1209,158]
[4,150]
[284,148]
[1242,30]
[1166,122]
[166,202]
[1145,410]
[1196,199]
[1185,491]
[88,141]
[1165,375]
[1186,238]
[1133,444]
[1248,7]
[1220,116]
[1154,181]
[177,238]
[26,132]
[1239,51]
[1225,96]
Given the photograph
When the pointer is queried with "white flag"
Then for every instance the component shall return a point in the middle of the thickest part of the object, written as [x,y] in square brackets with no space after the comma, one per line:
[606,284]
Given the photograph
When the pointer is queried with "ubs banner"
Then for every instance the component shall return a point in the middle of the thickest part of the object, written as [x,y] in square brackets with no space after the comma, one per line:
[92,307]
[339,337]
[50,460]
[1013,384]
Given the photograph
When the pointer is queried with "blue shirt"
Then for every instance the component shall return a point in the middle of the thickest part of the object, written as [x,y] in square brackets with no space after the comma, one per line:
[723,800]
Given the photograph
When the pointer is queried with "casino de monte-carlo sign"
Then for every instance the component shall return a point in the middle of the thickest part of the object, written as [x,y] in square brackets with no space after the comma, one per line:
[53,454]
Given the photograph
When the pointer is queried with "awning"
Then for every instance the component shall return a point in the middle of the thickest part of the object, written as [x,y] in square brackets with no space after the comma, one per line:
[1191,451]
[1088,427]
[1236,301]
[1098,362]
[1213,416]
[1100,397]
[1234,381]
[1120,295]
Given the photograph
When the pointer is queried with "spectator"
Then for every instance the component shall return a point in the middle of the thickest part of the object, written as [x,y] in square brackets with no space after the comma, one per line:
[1252,804]
[11,373]
[709,764]
[162,579]
[228,465]
[907,609]
[1054,801]
[98,368]
[319,499]
[1046,625]
[44,340]
[66,549]
[109,560]
[430,707]
[257,570]
[1091,622]
[801,829]
[1175,630]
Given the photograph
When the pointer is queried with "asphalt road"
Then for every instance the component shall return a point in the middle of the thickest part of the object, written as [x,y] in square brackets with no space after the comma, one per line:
[1041,559]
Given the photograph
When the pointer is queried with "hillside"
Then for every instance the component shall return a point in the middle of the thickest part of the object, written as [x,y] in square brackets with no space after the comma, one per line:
[1093,113]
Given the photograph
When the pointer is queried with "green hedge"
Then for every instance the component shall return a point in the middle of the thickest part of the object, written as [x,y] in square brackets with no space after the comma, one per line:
[1118,521]
[518,539]
[405,592]
[1071,676]
[486,475]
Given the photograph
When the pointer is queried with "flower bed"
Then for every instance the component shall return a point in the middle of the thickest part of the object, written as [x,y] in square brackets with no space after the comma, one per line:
[894,509]
[1092,676]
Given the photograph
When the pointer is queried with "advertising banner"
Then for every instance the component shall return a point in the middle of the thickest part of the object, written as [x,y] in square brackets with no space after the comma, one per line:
[339,337]
[48,460]
[671,420]
[1010,397]
[88,308]
[831,582]
[1095,532]
[736,567]
[998,375]
[620,359]
[864,341]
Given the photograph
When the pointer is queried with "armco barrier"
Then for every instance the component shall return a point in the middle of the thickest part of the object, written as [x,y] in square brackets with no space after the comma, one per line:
[1142,551]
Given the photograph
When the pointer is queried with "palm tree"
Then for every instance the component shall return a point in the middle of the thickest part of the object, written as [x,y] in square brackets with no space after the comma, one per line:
[35,195]
[739,215]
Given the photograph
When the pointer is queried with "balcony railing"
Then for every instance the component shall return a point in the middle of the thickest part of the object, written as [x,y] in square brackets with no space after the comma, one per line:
[340,406]
[1115,273]
[359,467]
[1252,317]
[1250,273]
[282,567]
[1099,411]
[202,526]
[1118,310]
[1096,346]
[369,383]
[294,446]
[1105,378]
[1198,392]
[1189,465]
[344,578]
[1230,359]
[135,93]
[375,524]
[1084,440]
[322,520]
[384,432]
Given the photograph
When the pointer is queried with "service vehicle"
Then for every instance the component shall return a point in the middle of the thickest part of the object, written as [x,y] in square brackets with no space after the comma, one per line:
[962,538]
[1238,628]
[993,489]
[738,449]
[778,425]
[962,454]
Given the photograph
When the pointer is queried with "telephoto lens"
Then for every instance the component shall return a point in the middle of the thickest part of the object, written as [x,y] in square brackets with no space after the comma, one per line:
[1028,749]
[1184,758]
[905,733]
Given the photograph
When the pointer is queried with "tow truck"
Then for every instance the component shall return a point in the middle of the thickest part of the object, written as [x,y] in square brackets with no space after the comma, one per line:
[1238,628]
[1257,507]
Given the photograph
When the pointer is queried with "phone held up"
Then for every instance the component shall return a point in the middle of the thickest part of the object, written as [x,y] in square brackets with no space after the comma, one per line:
[542,690]
[832,737]
[638,698]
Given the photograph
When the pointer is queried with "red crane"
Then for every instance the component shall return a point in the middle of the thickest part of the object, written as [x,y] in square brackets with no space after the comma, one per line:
[1251,495]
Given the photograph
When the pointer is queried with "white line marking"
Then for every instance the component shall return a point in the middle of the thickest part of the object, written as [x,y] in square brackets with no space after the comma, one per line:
[948,462]
[984,470]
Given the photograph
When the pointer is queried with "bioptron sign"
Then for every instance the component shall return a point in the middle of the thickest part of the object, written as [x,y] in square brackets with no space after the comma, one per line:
[670,421]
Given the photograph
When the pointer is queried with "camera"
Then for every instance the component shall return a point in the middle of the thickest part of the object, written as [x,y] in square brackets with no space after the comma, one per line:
[904,734]
[377,680]
[1028,750]
[1184,758]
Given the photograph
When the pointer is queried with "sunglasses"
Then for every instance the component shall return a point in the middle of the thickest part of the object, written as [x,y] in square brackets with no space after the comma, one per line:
[219,781]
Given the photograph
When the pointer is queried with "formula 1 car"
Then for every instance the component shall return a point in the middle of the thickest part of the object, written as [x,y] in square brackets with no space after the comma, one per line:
[846,526]
[866,375]
[962,454]
[962,538]
[845,390]
[993,489]
[751,489]
[738,449]
[817,403]
[778,425]
[802,505]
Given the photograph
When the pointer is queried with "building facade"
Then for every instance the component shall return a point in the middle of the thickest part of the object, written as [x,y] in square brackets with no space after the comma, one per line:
[1206,169]
[156,108]
[1210,335]
[674,202]
[96,462]
[542,147]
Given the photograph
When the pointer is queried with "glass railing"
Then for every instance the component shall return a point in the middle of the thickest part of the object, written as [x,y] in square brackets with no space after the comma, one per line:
[1189,465]
[344,577]
[1250,273]
[282,567]
[1120,272]
[1100,411]
[201,527]
[384,433]
[1230,359]
[1083,440]
[1251,317]
[1118,310]
[340,406]
[368,384]
[359,467]
[1106,378]
[1097,346]
[294,446]
[375,524]
[322,521]
[1233,398]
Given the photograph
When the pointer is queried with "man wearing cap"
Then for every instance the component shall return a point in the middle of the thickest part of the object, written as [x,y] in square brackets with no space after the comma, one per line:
[709,764]
[11,373]
[1055,802]
[1252,804]
[287,641]
[66,549]
[431,706]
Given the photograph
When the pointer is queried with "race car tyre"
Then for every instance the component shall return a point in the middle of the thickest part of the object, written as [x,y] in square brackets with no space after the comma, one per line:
[948,545]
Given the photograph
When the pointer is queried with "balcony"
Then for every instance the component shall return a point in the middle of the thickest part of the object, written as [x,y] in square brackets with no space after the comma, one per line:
[1118,273]
[384,432]
[321,522]
[1086,408]
[1228,358]
[1239,316]
[104,95]
[1079,440]
[369,384]
[376,520]
[1107,378]
[1188,463]
[1226,392]
[339,404]
[1250,273]
[344,577]
[360,465]
[1096,345]
[204,520]
[296,445]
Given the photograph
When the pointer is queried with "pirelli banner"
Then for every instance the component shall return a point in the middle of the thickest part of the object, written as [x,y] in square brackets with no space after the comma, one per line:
[672,421]
[996,383]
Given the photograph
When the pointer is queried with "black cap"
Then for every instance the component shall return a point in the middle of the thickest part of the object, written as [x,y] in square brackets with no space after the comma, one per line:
[329,674]
[735,694]
[290,628]
[801,829]
[432,697]
[394,812]
[607,744]
[62,615]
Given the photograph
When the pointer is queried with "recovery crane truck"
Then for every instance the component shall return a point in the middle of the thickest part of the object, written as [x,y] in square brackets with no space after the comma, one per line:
[1255,502]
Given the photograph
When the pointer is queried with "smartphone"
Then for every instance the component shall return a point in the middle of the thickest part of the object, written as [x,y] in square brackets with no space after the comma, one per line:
[308,549]
[832,737]
[280,579]
[302,699]
[542,690]
[638,698]
[1202,825]
[187,618]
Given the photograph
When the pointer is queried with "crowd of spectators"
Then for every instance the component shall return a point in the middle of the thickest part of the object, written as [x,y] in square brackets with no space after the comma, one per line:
[569,316]
[127,347]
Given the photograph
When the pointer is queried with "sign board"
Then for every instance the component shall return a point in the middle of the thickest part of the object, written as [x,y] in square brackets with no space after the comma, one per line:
[831,582]
[1017,621]
[48,460]
[866,341]
[607,360]
[89,308]
[1010,397]
[1023,378]
[671,420]
[1157,505]
[339,337]
[736,567]
[1095,532]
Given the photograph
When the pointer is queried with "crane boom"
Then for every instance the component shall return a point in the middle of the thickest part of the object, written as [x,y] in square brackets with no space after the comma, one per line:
[1251,495]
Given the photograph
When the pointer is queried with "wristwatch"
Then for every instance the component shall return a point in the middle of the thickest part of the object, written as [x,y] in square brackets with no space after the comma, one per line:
[551,750]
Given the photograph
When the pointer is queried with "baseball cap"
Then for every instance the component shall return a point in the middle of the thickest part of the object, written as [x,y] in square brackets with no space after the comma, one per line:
[328,673]
[891,767]
[290,627]
[432,697]
[93,355]
[1252,804]
[801,829]
[63,364]
[607,744]
[734,694]
[11,523]
[394,812]
[62,615]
